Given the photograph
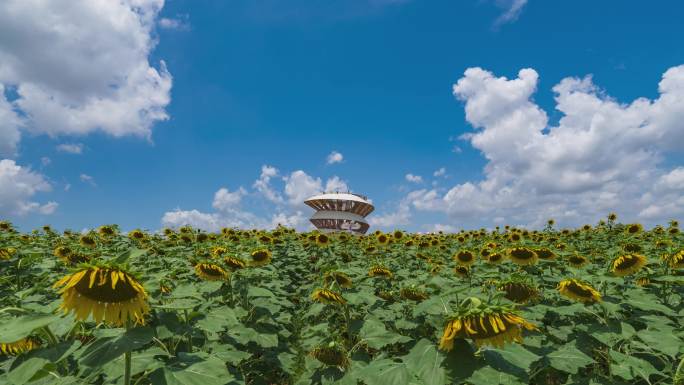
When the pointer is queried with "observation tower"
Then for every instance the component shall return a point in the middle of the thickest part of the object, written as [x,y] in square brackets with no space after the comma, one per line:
[336,211]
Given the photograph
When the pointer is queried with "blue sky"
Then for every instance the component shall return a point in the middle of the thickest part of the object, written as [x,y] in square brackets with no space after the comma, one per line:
[282,84]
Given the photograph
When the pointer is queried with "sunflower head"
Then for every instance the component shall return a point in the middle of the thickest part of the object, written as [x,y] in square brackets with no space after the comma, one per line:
[577,290]
[577,260]
[612,217]
[462,271]
[495,258]
[673,230]
[261,257]
[398,234]
[676,260]
[383,239]
[331,355]
[328,297]
[234,262]
[342,279]
[627,264]
[385,294]
[632,248]
[414,294]
[519,290]
[522,256]
[634,228]
[137,235]
[380,271]
[87,241]
[5,226]
[464,258]
[7,253]
[111,294]
[211,272]
[485,324]
[218,251]
[322,240]
[642,281]
[106,231]
[17,347]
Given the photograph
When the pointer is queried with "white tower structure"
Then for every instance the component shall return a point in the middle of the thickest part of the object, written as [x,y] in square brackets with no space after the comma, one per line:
[340,212]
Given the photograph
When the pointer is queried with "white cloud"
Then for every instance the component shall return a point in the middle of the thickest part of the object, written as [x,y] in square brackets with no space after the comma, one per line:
[414,178]
[336,184]
[18,185]
[263,184]
[602,156]
[70,148]
[85,178]
[334,157]
[80,66]
[45,161]
[299,186]
[392,220]
[225,200]
[179,23]
[440,172]
[512,10]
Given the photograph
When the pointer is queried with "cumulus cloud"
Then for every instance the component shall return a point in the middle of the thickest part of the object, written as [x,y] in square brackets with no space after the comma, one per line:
[179,23]
[287,205]
[602,156]
[65,87]
[414,178]
[70,148]
[334,157]
[440,172]
[85,178]
[18,185]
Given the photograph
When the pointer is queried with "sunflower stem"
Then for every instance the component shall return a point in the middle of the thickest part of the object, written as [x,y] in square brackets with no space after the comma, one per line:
[187,323]
[51,337]
[127,360]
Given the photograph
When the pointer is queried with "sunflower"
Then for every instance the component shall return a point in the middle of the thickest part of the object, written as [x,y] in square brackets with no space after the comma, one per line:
[110,293]
[106,231]
[261,257]
[211,272]
[386,295]
[632,248]
[186,238]
[673,230]
[218,251]
[7,253]
[676,260]
[550,222]
[628,264]
[136,234]
[522,256]
[342,279]
[201,237]
[413,294]
[87,241]
[383,239]
[234,262]
[517,291]
[380,271]
[327,296]
[18,347]
[612,217]
[577,261]
[643,281]
[464,258]
[462,271]
[69,256]
[495,258]
[634,228]
[579,291]
[331,355]
[492,325]
[322,240]
[398,234]
[5,226]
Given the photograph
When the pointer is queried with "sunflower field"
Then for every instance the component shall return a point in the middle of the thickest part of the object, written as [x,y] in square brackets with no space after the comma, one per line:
[600,304]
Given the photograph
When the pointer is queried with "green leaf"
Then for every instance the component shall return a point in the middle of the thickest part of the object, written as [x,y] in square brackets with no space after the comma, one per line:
[425,362]
[132,253]
[629,367]
[661,341]
[568,358]
[385,371]
[513,358]
[193,369]
[245,335]
[491,376]
[218,319]
[106,349]
[376,336]
[17,328]
[27,370]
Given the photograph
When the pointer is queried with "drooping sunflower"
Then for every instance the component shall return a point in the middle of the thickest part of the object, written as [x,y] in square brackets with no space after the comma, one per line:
[331,355]
[464,258]
[342,279]
[462,271]
[261,257]
[327,296]
[235,262]
[413,294]
[495,258]
[136,234]
[676,260]
[492,325]
[7,253]
[386,295]
[519,291]
[18,347]
[577,260]
[577,290]
[218,251]
[106,231]
[673,230]
[88,241]
[211,272]
[628,264]
[111,294]
[380,271]
[522,256]
[642,281]
[5,226]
